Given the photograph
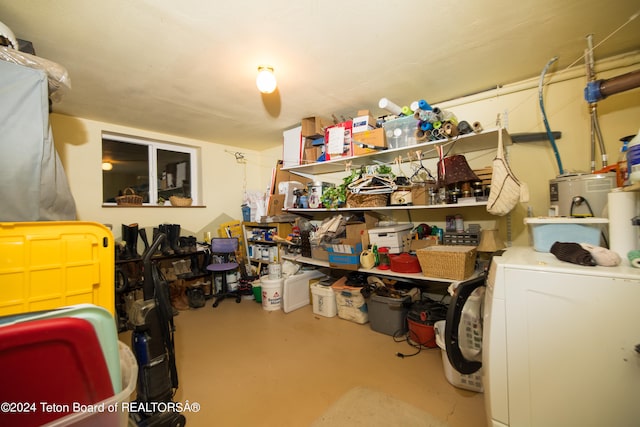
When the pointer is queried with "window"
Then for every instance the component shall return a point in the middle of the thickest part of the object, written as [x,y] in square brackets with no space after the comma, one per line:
[152,169]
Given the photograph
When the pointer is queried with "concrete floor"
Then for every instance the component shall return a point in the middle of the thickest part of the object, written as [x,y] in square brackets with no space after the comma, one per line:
[246,366]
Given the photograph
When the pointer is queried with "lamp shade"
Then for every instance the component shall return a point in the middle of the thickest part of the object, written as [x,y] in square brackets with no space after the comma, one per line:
[454,169]
[490,241]
[266,80]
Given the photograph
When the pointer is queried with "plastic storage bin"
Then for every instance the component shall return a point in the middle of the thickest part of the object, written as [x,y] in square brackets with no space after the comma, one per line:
[324,300]
[54,361]
[546,231]
[471,382]
[118,402]
[351,305]
[51,264]
[102,322]
[401,132]
[295,293]
[388,315]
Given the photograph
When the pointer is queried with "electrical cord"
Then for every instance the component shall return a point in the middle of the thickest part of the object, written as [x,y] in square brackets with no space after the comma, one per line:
[400,336]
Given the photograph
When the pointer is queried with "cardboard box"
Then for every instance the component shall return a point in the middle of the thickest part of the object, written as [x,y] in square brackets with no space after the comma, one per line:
[357,230]
[338,141]
[423,243]
[279,176]
[420,193]
[275,204]
[354,230]
[319,253]
[311,150]
[363,122]
[374,138]
[345,255]
[314,126]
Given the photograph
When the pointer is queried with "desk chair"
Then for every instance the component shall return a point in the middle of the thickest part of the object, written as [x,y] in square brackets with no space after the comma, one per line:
[223,261]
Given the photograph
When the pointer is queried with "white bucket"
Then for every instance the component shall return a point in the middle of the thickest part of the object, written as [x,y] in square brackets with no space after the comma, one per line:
[271,293]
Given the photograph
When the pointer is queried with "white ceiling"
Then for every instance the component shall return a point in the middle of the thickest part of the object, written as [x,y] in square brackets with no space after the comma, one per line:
[188,67]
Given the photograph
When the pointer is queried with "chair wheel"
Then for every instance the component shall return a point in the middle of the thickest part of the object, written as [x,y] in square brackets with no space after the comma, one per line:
[238,299]
[215,304]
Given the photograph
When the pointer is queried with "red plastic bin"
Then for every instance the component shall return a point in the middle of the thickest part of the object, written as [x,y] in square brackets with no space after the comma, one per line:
[49,368]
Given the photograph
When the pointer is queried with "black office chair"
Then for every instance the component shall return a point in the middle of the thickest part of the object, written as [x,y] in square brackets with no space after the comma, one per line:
[223,261]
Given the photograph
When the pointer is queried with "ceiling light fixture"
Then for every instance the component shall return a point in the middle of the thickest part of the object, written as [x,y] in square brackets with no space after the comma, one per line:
[106,166]
[266,80]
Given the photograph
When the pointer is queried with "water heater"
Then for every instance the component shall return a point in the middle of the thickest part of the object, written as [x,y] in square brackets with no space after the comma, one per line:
[591,188]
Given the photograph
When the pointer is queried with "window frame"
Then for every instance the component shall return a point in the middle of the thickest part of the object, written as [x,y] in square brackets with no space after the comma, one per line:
[152,157]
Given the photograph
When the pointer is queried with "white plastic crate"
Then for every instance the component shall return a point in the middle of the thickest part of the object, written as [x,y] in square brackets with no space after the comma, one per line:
[471,382]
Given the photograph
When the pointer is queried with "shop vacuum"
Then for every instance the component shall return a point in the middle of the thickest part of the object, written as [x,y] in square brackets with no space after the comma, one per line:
[153,346]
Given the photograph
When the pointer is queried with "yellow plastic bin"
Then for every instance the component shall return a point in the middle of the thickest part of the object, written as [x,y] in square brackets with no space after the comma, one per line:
[50,264]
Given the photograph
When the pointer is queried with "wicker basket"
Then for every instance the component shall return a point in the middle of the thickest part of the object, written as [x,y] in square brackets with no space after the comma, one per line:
[366,200]
[447,262]
[129,198]
[180,201]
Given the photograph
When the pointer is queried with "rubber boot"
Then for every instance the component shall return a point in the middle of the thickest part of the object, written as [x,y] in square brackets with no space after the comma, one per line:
[165,245]
[173,235]
[195,265]
[143,236]
[156,231]
[130,237]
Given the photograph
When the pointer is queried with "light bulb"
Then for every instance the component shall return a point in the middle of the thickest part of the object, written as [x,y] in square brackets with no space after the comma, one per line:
[106,166]
[266,80]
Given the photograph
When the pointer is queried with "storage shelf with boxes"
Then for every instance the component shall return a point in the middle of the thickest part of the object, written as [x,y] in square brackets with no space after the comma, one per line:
[460,145]
[456,263]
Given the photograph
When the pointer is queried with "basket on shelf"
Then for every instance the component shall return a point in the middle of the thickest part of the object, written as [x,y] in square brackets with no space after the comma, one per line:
[129,198]
[366,200]
[447,262]
[180,201]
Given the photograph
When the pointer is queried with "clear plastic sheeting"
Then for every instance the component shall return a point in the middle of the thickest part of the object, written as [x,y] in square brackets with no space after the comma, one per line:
[57,75]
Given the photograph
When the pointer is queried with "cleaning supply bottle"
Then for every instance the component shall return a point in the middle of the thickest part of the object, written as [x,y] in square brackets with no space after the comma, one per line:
[633,159]
[622,171]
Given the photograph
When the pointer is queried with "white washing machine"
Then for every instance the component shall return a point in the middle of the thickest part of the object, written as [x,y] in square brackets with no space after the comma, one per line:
[560,343]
